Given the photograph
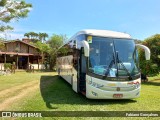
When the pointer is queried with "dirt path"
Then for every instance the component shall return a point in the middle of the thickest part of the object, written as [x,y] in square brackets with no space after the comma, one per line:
[16,88]
[21,90]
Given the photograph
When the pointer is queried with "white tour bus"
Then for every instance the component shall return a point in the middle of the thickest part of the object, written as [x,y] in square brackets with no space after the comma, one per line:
[101,64]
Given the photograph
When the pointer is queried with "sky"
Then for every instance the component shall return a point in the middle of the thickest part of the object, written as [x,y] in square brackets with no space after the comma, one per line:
[139,18]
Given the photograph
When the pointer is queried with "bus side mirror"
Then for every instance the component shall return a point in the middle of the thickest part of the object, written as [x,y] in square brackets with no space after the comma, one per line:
[146,49]
[86,48]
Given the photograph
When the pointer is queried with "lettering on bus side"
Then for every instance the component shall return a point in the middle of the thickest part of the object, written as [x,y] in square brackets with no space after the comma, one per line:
[94,84]
[94,93]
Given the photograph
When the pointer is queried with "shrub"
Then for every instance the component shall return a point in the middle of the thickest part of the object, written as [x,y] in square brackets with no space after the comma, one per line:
[7,65]
[151,67]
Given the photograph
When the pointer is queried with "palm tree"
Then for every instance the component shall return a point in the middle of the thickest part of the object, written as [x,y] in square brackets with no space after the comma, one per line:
[32,34]
[36,35]
[43,36]
[27,35]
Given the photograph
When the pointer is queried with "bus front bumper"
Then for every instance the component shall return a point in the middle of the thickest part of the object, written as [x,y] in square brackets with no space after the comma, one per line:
[96,93]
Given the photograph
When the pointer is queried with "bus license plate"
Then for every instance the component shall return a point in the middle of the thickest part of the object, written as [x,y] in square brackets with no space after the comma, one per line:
[117,95]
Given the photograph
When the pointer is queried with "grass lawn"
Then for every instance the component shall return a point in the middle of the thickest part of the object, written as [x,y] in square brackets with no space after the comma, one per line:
[54,94]
[20,78]
[155,78]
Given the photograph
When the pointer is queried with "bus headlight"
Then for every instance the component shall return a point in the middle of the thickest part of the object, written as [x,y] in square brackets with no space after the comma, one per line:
[137,85]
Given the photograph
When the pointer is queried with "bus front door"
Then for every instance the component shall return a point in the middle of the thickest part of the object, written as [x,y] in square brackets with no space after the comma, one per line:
[82,72]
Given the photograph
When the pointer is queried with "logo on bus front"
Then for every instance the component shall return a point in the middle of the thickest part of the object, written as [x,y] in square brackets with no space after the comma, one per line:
[118,89]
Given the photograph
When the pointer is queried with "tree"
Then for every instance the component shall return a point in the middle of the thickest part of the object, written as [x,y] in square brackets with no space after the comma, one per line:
[151,67]
[27,35]
[36,36]
[2,45]
[12,10]
[33,36]
[55,42]
[42,37]
[44,48]
[45,35]
[138,41]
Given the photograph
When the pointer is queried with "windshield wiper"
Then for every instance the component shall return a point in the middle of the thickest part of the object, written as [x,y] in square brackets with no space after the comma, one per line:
[114,61]
[119,61]
[110,65]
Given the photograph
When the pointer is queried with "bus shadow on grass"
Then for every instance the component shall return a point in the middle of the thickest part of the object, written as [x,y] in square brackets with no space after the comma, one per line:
[55,90]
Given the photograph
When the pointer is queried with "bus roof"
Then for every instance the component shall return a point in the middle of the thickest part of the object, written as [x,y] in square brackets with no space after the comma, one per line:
[100,33]
[103,33]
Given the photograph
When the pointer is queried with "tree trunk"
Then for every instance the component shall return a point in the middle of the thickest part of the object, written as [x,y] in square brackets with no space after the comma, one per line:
[42,57]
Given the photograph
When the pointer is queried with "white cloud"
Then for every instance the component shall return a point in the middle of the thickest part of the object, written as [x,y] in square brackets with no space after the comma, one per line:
[12,36]
[25,29]
[16,35]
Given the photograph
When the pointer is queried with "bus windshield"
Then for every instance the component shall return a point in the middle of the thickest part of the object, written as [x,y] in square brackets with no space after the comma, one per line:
[113,57]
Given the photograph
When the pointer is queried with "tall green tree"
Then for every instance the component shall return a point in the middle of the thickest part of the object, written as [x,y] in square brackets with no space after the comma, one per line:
[55,42]
[12,10]
[45,35]
[27,35]
[36,36]
[33,36]
[42,37]
[2,45]
[44,49]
